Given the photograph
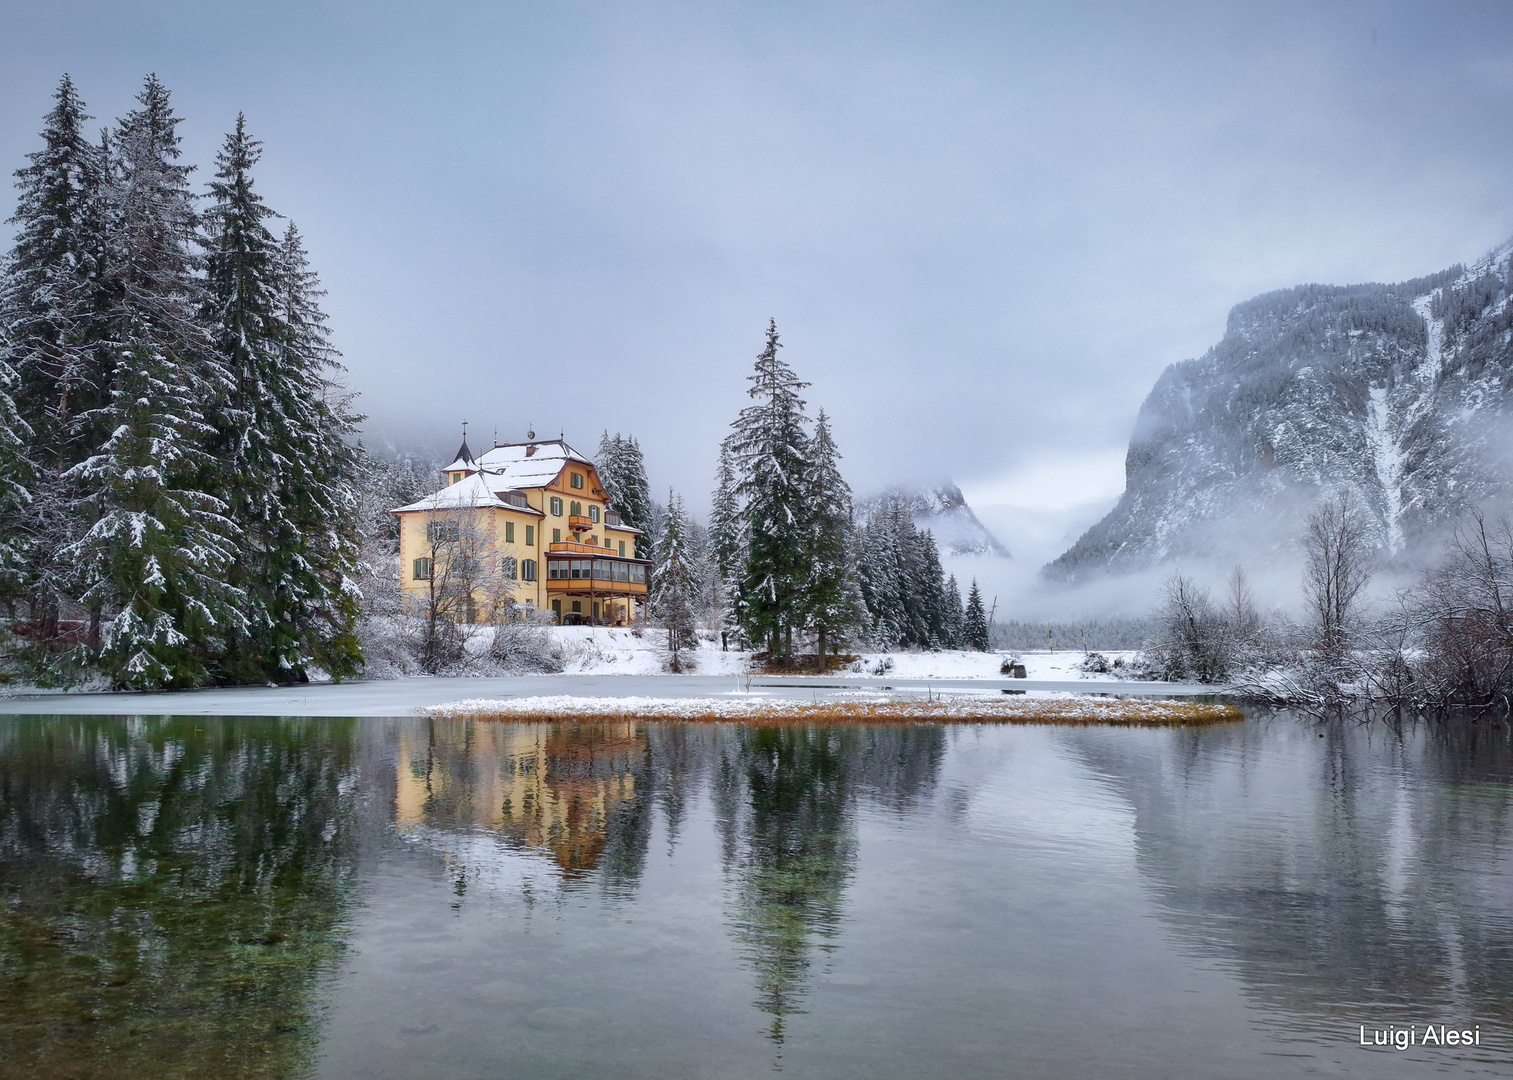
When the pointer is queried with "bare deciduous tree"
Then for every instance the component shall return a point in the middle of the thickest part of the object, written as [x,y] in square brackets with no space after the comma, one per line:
[1337,568]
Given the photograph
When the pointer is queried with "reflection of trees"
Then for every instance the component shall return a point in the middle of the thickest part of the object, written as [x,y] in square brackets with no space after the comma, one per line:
[1367,866]
[784,799]
[171,892]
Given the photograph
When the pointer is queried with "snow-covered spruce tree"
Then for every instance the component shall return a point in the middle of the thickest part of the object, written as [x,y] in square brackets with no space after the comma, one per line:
[152,568]
[770,451]
[290,476]
[955,615]
[622,467]
[975,621]
[831,602]
[674,586]
[881,577]
[52,297]
[727,540]
[53,294]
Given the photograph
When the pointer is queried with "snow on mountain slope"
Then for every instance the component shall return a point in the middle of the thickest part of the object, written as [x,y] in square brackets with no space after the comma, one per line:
[944,511]
[1399,393]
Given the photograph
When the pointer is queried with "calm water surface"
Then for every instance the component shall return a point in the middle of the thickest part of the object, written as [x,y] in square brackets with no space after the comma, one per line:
[410,898]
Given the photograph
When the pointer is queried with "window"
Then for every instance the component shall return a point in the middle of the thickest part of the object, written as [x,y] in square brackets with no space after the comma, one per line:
[528,569]
[622,549]
[578,606]
[604,570]
[593,514]
[557,608]
[638,573]
[556,536]
[441,532]
[607,543]
[575,479]
[530,536]
[421,571]
[509,568]
[556,506]
[557,569]
[583,568]
[622,571]
[509,532]
[575,509]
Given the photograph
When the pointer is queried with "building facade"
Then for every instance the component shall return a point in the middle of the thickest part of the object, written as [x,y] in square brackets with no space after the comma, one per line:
[525,524]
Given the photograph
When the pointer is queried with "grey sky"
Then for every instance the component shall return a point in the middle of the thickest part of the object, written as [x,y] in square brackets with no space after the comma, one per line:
[983,228]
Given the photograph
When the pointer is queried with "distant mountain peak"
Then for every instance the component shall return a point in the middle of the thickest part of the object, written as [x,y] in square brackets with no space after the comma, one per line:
[942,509]
[1400,394]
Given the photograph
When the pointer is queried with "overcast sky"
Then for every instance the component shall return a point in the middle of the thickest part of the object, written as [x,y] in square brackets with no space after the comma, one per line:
[983,229]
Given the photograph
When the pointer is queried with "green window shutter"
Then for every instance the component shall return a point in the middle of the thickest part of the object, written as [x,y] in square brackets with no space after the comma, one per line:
[622,547]
[509,532]
[530,536]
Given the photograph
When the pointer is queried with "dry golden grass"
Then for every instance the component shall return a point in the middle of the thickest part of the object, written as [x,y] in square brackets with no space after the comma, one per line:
[976,710]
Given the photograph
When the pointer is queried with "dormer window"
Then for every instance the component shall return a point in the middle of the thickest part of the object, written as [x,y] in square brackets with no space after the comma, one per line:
[454,477]
[575,479]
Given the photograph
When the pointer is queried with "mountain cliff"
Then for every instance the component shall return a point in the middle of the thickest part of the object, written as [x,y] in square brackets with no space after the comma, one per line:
[1399,393]
[944,511]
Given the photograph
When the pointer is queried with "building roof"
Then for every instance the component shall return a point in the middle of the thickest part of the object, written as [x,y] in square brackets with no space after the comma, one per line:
[504,468]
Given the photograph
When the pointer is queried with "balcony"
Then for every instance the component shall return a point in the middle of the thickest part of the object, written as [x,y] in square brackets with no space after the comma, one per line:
[577,548]
[578,523]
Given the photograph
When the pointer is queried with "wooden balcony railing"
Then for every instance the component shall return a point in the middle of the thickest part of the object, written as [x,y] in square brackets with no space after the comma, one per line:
[578,523]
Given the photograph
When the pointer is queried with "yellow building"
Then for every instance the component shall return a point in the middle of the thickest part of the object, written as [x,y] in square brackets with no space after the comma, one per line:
[529,520]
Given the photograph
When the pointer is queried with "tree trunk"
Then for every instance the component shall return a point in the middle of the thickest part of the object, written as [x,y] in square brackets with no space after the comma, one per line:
[819,661]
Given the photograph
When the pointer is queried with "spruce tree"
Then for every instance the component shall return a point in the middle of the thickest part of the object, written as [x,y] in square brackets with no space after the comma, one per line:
[622,467]
[152,567]
[830,600]
[975,622]
[770,451]
[288,475]
[53,294]
[955,615]
[727,532]
[52,297]
[674,583]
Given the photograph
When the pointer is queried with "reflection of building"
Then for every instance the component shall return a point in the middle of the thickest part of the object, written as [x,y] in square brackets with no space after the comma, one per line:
[552,788]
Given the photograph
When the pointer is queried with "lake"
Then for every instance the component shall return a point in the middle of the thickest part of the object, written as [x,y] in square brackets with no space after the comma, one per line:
[280,897]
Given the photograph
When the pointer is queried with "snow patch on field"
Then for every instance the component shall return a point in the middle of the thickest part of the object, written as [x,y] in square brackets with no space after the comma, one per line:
[1053,708]
[959,664]
[599,650]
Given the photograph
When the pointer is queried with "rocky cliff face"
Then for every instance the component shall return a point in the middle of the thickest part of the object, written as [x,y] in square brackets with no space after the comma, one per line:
[944,511]
[1400,393]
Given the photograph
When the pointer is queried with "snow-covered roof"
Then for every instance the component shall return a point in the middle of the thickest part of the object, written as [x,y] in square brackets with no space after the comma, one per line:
[481,489]
[532,464]
[502,469]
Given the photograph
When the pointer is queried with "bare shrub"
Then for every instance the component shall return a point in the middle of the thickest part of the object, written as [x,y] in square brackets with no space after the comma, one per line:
[525,645]
[1193,641]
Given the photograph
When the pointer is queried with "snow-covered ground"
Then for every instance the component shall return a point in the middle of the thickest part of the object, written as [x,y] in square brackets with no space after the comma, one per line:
[957,664]
[598,650]
[602,651]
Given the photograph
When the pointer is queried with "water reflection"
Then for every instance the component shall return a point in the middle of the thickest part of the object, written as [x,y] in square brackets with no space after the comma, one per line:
[171,892]
[1348,874]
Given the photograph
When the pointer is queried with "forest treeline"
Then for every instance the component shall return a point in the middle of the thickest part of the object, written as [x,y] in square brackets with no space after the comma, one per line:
[178,458]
